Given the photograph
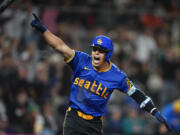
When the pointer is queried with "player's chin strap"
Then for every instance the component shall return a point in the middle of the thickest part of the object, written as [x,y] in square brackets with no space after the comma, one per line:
[144,101]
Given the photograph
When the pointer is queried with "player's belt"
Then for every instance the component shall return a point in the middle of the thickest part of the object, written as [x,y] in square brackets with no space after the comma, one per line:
[85,116]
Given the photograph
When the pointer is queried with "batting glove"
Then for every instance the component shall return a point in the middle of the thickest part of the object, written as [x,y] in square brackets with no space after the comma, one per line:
[161,119]
[37,24]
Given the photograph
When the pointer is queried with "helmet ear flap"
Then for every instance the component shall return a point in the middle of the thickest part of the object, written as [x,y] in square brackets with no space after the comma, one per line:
[108,56]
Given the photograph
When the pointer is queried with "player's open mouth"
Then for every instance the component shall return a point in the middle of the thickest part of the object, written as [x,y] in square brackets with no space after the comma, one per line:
[96,59]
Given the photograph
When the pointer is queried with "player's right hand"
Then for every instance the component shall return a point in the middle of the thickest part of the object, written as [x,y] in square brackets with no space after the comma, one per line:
[161,119]
[37,24]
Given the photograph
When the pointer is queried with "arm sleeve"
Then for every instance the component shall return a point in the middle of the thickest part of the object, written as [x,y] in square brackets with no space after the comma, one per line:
[5,4]
[139,96]
[144,101]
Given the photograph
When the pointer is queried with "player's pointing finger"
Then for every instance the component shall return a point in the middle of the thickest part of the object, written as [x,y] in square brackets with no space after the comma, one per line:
[35,16]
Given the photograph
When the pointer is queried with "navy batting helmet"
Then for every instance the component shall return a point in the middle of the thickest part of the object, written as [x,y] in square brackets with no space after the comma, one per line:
[105,43]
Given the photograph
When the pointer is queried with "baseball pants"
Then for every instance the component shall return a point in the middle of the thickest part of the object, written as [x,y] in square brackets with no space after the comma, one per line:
[75,125]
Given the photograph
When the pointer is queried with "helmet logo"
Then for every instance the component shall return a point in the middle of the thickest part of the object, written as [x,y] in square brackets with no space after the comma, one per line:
[99,41]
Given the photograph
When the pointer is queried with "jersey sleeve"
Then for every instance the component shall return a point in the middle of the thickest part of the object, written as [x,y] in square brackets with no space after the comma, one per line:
[77,60]
[126,85]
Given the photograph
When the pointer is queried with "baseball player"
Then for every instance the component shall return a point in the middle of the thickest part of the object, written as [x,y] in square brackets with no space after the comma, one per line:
[5,4]
[94,79]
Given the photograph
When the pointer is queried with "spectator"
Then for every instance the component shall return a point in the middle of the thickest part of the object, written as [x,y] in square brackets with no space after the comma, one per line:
[35,119]
[50,125]
[2,105]
[132,124]
[4,125]
[145,45]
[114,122]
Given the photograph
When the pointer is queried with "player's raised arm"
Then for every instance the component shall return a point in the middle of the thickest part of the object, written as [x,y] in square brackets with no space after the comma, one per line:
[5,4]
[52,39]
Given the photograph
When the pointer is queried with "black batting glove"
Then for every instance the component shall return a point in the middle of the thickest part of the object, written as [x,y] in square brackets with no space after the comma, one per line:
[37,24]
[161,119]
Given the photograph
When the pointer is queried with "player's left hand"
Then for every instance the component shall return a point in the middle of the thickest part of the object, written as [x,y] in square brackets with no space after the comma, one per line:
[161,119]
[37,24]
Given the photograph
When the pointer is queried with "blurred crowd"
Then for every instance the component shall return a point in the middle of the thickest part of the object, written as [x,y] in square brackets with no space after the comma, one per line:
[35,81]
